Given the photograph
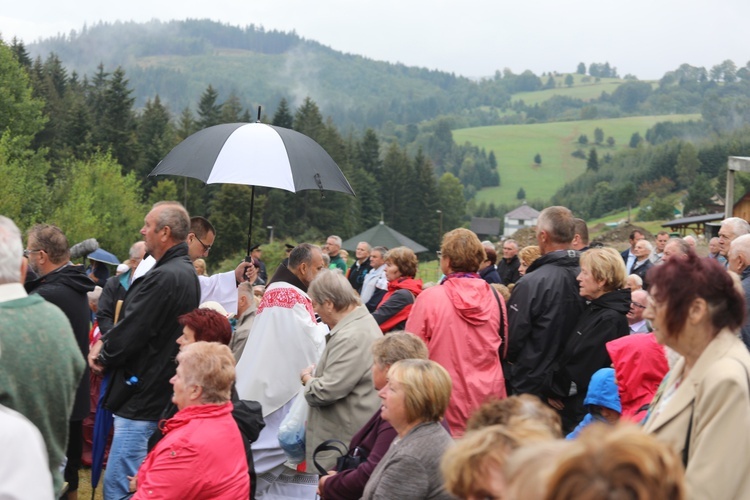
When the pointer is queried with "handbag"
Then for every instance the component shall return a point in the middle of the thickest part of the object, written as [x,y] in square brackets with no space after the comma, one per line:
[346,461]
[292,430]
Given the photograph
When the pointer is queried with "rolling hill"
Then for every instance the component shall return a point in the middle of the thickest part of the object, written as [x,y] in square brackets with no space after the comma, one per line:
[516,145]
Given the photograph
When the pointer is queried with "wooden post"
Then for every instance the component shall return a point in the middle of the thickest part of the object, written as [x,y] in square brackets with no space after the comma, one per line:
[734,164]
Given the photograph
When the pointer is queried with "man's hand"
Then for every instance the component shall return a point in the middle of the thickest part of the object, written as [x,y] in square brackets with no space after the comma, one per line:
[556,404]
[93,360]
[246,271]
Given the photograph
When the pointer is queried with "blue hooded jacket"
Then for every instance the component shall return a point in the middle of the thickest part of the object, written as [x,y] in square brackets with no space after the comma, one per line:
[602,392]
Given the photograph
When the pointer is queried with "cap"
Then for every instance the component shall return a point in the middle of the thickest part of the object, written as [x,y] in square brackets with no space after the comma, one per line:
[122,268]
[289,247]
[254,247]
[214,306]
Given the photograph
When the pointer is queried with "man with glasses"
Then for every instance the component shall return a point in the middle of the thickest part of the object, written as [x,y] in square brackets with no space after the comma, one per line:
[220,287]
[636,322]
[64,285]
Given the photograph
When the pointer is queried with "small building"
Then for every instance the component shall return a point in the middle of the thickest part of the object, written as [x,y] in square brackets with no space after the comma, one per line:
[520,218]
[486,228]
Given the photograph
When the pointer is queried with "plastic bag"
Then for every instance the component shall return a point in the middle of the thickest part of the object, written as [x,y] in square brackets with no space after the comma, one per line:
[292,430]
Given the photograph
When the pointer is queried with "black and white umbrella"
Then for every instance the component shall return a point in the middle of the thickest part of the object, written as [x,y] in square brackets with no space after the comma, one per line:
[254,154]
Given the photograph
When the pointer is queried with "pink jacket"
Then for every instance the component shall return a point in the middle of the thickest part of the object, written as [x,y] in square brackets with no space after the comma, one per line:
[201,456]
[459,320]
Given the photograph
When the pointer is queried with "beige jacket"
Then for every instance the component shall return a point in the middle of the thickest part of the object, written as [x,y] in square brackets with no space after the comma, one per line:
[716,391]
[341,395]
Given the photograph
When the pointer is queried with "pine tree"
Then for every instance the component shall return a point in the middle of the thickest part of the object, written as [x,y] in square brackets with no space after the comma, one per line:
[592,163]
[598,135]
[118,121]
[283,117]
[521,194]
[538,159]
[155,138]
[209,111]
[231,110]
[424,203]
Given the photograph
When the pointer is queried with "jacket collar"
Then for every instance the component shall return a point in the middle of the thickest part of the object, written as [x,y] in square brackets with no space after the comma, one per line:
[357,314]
[685,394]
[179,250]
[283,274]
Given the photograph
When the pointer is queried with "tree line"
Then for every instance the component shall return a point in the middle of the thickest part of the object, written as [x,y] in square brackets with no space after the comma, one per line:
[74,151]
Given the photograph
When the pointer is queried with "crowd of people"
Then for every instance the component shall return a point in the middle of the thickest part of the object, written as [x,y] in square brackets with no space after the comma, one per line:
[560,370]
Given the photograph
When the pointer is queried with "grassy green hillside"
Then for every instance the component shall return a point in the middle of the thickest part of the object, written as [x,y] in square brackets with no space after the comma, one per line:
[516,145]
[580,89]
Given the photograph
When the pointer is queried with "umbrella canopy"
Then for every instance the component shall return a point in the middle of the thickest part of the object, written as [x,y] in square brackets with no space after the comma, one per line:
[104,256]
[255,154]
[103,423]
[383,236]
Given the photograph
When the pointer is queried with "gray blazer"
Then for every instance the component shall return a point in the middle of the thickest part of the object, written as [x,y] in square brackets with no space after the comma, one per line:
[411,468]
[341,395]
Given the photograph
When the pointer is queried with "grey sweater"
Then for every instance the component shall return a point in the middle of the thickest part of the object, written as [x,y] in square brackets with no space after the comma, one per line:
[411,467]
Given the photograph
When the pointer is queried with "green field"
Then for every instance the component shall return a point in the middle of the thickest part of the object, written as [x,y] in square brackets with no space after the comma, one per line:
[580,90]
[516,145]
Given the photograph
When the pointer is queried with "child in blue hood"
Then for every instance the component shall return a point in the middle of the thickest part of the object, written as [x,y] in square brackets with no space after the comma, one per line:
[602,401]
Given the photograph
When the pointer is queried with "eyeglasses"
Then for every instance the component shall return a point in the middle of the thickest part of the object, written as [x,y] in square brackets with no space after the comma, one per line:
[206,248]
[28,252]
[636,304]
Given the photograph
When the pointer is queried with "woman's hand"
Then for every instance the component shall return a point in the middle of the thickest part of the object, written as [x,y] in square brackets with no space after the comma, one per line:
[133,483]
[323,480]
[556,404]
[306,374]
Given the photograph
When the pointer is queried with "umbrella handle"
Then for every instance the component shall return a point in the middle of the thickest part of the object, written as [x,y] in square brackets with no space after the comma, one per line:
[250,229]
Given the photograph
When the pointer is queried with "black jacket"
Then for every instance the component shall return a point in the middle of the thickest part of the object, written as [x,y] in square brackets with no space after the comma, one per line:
[143,344]
[542,311]
[490,275]
[642,270]
[357,274]
[508,271]
[66,287]
[112,292]
[602,320]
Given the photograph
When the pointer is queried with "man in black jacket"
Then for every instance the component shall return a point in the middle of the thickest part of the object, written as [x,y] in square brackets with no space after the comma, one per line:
[508,266]
[66,286]
[140,351]
[544,306]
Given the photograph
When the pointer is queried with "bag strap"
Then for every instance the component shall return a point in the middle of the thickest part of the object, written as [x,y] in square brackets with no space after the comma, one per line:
[686,449]
[329,445]
[503,325]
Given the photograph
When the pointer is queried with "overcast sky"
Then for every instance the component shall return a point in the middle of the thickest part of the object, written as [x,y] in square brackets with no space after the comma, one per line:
[469,37]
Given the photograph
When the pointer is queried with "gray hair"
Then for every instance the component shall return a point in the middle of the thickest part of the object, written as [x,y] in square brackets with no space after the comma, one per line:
[647,243]
[558,223]
[382,250]
[638,280]
[245,289]
[366,244]
[336,239]
[302,253]
[174,215]
[332,286]
[11,251]
[137,250]
[512,242]
[737,225]
[682,245]
[741,246]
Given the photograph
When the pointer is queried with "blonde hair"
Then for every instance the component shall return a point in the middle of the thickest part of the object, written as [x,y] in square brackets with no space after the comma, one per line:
[514,410]
[528,468]
[471,458]
[209,365]
[619,462]
[404,259]
[606,265]
[427,388]
[463,250]
[503,290]
[529,254]
[200,263]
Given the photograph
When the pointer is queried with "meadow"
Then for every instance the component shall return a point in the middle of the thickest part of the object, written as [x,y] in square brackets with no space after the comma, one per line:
[580,89]
[516,145]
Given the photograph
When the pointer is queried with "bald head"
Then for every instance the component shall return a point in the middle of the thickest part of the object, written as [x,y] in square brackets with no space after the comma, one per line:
[739,254]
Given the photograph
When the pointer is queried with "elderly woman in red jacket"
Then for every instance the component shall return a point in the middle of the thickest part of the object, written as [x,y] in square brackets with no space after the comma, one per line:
[201,455]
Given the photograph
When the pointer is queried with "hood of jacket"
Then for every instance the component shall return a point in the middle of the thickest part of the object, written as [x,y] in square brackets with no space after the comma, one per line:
[617,300]
[641,365]
[70,275]
[603,390]
[561,258]
[472,299]
[411,284]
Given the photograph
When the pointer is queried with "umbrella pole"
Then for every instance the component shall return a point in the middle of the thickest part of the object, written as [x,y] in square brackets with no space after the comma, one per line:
[250,229]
